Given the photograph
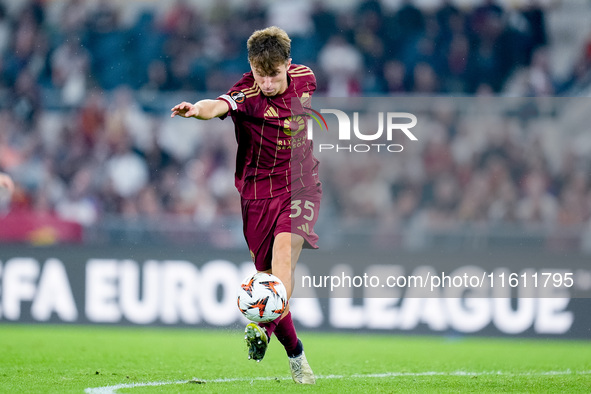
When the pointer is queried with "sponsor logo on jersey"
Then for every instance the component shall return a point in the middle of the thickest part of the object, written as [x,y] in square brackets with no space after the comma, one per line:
[293,125]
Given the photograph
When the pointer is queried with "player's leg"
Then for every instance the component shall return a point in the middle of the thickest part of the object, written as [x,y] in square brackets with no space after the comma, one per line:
[259,221]
[286,252]
[295,230]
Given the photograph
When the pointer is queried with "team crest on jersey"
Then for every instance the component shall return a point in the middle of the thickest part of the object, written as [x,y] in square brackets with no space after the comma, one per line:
[293,125]
[238,96]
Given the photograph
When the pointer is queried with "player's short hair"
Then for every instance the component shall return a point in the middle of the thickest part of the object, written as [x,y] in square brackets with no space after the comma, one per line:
[267,49]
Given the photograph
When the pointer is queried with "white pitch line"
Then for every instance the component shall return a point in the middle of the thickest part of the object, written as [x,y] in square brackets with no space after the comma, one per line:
[113,389]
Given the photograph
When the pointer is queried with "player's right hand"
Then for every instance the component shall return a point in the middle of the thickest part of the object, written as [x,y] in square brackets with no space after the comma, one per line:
[185,109]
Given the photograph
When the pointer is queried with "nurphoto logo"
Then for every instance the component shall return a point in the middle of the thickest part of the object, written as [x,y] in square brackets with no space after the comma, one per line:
[349,132]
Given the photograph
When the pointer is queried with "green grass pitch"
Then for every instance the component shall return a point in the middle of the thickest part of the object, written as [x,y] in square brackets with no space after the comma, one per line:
[58,359]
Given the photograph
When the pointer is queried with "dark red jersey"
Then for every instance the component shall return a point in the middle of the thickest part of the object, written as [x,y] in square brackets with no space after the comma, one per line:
[274,154]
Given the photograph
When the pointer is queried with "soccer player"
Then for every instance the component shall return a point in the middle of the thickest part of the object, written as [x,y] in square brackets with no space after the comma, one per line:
[276,174]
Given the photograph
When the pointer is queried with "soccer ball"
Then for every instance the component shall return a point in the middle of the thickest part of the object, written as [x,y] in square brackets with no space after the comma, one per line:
[262,297]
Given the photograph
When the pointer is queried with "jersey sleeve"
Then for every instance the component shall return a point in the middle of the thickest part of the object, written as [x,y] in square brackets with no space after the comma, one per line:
[237,96]
[304,78]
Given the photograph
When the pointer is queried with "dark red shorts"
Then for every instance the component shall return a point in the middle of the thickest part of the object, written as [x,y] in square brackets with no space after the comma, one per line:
[294,213]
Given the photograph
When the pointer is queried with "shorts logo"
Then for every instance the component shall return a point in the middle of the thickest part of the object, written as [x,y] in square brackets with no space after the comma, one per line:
[238,97]
[293,125]
[305,228]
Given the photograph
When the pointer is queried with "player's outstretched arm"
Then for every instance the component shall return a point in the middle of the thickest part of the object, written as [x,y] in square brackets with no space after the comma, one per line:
[204,109]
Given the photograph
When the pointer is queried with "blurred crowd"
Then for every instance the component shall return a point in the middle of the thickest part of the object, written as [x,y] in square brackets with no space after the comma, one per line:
[501,166]
[76,134]
[72,45]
